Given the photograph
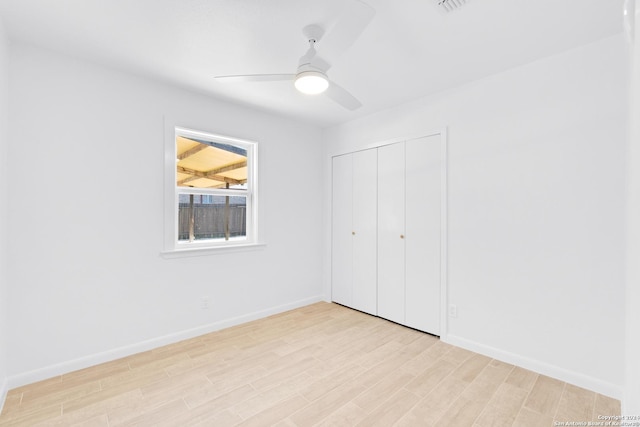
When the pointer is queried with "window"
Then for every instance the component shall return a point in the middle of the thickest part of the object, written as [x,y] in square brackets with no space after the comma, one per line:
[214,191]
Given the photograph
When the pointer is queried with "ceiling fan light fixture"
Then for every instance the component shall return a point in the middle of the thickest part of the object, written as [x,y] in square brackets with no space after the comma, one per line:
[311,82]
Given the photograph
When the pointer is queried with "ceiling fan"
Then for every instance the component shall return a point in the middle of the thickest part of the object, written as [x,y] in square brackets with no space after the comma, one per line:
[311,76]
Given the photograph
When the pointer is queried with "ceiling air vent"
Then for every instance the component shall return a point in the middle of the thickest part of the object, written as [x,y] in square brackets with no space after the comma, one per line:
[449,5]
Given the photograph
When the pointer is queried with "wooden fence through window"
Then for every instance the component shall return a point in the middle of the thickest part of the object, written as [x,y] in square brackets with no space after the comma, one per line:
[209,221]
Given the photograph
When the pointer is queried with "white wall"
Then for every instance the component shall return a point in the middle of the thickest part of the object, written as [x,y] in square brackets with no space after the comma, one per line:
[631,403]
[3,213]
[536,209]
[86,226]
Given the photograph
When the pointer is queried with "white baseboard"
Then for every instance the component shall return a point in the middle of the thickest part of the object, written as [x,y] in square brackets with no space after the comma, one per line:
[571,377]
[4,389]
[95,359]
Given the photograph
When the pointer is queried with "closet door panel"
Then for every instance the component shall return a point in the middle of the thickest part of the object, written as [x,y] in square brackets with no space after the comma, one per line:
[423,203]
[365,188]
[341,237]
[391,250]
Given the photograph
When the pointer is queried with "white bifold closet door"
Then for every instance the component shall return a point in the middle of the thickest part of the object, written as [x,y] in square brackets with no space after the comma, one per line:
[423,191]
[341,224]
[391,247]
[409,233]
[365,222]
[354,229]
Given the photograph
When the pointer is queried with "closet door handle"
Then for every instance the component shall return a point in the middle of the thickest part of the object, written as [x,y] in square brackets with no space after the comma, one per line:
[353,233]
[402,236]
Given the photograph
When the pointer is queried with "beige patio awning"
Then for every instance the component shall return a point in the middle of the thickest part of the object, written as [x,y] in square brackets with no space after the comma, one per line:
[209,165]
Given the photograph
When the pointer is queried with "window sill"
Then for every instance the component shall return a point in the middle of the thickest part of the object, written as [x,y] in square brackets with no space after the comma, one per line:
[191,252]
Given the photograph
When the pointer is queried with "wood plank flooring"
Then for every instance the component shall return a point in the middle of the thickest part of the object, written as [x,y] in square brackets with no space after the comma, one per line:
[320,365]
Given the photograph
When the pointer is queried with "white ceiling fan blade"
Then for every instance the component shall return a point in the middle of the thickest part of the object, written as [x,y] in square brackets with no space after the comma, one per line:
[255,78]
[342,97]
[346,31]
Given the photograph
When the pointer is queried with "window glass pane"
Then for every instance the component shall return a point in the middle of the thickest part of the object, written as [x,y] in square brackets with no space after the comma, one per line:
[202,216]
[206,164]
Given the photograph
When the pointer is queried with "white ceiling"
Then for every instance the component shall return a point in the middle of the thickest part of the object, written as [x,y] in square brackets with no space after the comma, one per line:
[409,50]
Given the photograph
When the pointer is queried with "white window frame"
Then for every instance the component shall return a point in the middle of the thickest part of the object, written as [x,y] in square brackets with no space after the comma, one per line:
[175,248]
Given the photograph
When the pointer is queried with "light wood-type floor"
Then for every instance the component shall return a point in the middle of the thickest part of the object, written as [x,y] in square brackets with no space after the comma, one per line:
[323,365]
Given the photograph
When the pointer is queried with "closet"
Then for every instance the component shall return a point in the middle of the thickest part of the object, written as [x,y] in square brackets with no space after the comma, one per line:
[387,231]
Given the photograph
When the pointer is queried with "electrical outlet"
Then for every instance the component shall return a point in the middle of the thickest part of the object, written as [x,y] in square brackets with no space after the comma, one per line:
[204,303]
[453,310]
